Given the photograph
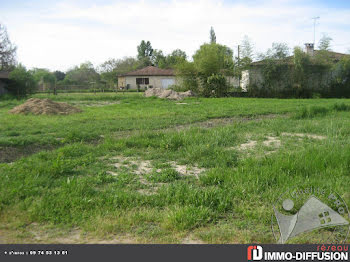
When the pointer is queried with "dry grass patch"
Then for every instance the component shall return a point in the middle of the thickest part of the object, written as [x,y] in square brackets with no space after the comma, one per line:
[302,135]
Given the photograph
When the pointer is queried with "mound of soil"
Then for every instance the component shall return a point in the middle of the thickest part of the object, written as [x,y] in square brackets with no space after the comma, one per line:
[167,93]
[44,107]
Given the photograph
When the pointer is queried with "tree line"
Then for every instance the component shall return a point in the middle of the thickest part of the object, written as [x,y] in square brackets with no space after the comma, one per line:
[205,74]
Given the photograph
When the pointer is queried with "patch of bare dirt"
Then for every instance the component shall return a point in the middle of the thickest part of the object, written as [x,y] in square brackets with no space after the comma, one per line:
[9,154]
[140,167]
[38,106]
[272,141]
[302,135]
[167,93]
[187,170]
[248,145]
[190,241]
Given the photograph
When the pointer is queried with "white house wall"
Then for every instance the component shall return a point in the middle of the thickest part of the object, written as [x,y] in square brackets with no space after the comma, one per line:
[155,81]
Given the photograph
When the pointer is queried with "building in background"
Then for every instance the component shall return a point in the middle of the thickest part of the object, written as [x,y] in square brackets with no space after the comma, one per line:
[254,75]
[4,81]
[147,77]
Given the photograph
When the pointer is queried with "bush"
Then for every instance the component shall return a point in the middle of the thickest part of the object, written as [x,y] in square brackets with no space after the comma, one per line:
[178,88]
[22,83]
[216,86]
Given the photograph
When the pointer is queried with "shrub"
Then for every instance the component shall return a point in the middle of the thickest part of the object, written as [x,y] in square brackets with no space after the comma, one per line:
[216,86]
[22,83]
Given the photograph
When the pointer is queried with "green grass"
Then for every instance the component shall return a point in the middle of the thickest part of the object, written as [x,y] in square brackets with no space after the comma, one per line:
[78,184]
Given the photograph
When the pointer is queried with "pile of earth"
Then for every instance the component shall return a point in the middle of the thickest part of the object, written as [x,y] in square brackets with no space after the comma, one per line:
[167,93]
[44,107]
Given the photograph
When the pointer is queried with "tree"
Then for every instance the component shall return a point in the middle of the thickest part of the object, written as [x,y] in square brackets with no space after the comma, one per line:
[144,53]
[82,74]
[302,64]
[22,82]
[323,56]
[325,42]
[111,68]
[212,36]
[246,53]
[7,50]
[278,51]
[158,58]
[188,73]
[178,53]
[213,58]
[107,71]
[43,78]
[341,85]
[171,60]
[247,48]
[59,75]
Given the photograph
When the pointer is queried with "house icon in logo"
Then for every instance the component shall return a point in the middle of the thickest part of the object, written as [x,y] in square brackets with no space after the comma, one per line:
[312,215]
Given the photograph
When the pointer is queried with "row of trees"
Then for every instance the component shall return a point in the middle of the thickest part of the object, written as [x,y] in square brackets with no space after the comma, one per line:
[206,74]
[85,74]
[203,75]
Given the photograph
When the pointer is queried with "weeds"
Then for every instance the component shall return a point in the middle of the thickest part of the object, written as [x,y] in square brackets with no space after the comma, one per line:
[70,186]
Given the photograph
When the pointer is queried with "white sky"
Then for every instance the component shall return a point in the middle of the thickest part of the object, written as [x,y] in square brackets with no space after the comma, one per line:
[58,35]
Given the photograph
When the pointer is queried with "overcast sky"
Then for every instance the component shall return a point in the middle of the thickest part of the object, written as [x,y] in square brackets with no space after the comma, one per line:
[61,34]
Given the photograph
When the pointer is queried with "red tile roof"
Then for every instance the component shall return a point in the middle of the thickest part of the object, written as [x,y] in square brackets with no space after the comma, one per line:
[151,71]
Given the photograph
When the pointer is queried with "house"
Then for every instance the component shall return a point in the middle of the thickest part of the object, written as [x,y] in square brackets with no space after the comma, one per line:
[4,80]
[152,76]
[254,76]
[149,76]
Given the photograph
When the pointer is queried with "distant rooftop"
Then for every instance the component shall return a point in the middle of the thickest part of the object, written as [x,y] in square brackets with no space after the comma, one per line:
[150,71]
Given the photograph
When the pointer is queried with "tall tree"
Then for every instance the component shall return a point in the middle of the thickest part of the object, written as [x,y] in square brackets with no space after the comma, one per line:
[144,53]
[7,50]
[325,43]
[246,53]
[247,50]
[212,36]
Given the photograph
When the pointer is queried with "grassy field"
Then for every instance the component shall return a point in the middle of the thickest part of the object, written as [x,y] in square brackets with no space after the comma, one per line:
[130,169]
